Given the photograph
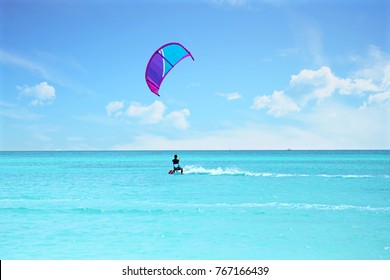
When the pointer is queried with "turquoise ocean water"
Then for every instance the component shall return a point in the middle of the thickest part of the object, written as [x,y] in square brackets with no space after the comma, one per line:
[227,205]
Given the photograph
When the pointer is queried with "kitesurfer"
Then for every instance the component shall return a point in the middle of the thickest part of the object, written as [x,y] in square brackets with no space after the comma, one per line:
[176,165]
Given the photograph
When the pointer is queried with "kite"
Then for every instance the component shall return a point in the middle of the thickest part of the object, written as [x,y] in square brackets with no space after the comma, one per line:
[161,62]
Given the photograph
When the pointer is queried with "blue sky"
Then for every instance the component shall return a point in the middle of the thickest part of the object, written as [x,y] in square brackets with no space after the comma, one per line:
[268,74]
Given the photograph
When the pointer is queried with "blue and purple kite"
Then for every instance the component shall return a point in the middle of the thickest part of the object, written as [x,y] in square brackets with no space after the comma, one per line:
[161,62]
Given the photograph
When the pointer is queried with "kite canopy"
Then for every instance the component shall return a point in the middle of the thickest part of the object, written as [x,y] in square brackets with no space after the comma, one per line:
[161,62]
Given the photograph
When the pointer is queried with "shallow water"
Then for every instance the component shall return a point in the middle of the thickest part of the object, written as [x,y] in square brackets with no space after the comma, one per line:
[227,205]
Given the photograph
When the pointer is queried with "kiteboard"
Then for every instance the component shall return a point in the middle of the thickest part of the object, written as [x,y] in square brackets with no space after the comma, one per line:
[173,172]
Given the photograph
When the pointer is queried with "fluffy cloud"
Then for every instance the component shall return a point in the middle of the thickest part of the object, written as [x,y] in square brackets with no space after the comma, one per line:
[113,107]
[278,104]
[178,118]
[154,113]
[42,94]
[322,83]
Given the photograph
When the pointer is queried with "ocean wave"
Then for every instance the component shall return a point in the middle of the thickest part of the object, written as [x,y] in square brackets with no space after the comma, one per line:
[235,171]
[220,171]
[191,169]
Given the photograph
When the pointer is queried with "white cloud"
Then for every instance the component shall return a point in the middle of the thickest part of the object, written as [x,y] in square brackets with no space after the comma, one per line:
[356,86]
[322,83]
[230,96]
[330,126]
[315,84]
[382,98]
[278,104]
[113,107]
[43,93]
[152,113]
[333,123]
[178,118]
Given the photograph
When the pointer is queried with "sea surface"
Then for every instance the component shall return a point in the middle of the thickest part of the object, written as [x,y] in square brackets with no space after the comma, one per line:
[290,205]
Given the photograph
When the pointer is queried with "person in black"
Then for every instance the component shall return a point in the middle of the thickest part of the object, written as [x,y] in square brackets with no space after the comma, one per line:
[176,165]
